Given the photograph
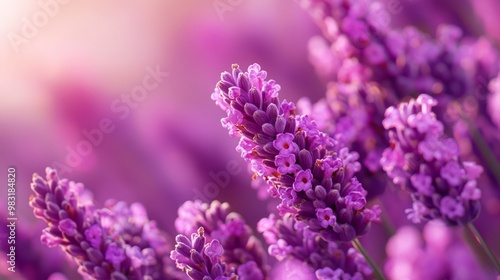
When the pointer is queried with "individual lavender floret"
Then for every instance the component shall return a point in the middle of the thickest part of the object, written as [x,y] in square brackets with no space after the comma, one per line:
[425,163]
[87,234]
[288,238]
[200,259]
[242,250]
[311,173]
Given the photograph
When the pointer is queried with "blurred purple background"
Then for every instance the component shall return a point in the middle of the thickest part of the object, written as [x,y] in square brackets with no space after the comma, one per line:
[65,79]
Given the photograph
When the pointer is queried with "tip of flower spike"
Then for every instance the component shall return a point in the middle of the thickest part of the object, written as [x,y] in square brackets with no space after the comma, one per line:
[235,66]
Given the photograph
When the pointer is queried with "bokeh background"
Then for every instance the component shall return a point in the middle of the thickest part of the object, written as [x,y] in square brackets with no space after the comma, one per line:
[64,79]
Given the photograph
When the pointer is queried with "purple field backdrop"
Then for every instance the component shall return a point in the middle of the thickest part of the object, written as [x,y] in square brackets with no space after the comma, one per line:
[69,99]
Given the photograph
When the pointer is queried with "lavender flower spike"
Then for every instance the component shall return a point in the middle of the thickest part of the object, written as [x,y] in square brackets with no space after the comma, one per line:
[92,237]
[424,162]
[312,174]
[199,259]
[243,251]
[76,230]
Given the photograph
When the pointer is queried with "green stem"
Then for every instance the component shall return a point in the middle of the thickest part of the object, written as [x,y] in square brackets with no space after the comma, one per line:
[484,246]
[485,150]
[387,224]
[378,272]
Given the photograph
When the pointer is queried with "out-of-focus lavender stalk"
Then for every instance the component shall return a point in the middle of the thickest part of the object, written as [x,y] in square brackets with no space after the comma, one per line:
[201,260]
[312,174]
[426,163]
[374,66]
[110,243]
[243,252]
[404,62]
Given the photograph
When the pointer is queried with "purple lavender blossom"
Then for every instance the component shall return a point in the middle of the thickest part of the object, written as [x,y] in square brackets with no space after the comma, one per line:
[291,239]
[269,129]
[147,245]
[403,61]
[105,243]
[425,163]
[243,252]
[200,259]
[374,66]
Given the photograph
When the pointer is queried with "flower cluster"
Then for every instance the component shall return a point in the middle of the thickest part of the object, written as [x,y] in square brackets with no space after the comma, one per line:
[372,65]
[110,243]
[243,251]
[321,162]
[288,238]
[402,61]
[199,259]
[426,163]
[312,173]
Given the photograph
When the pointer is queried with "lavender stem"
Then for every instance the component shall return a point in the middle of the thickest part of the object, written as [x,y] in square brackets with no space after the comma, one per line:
[485,150]
[387,224]
[376,269]
[483,244]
